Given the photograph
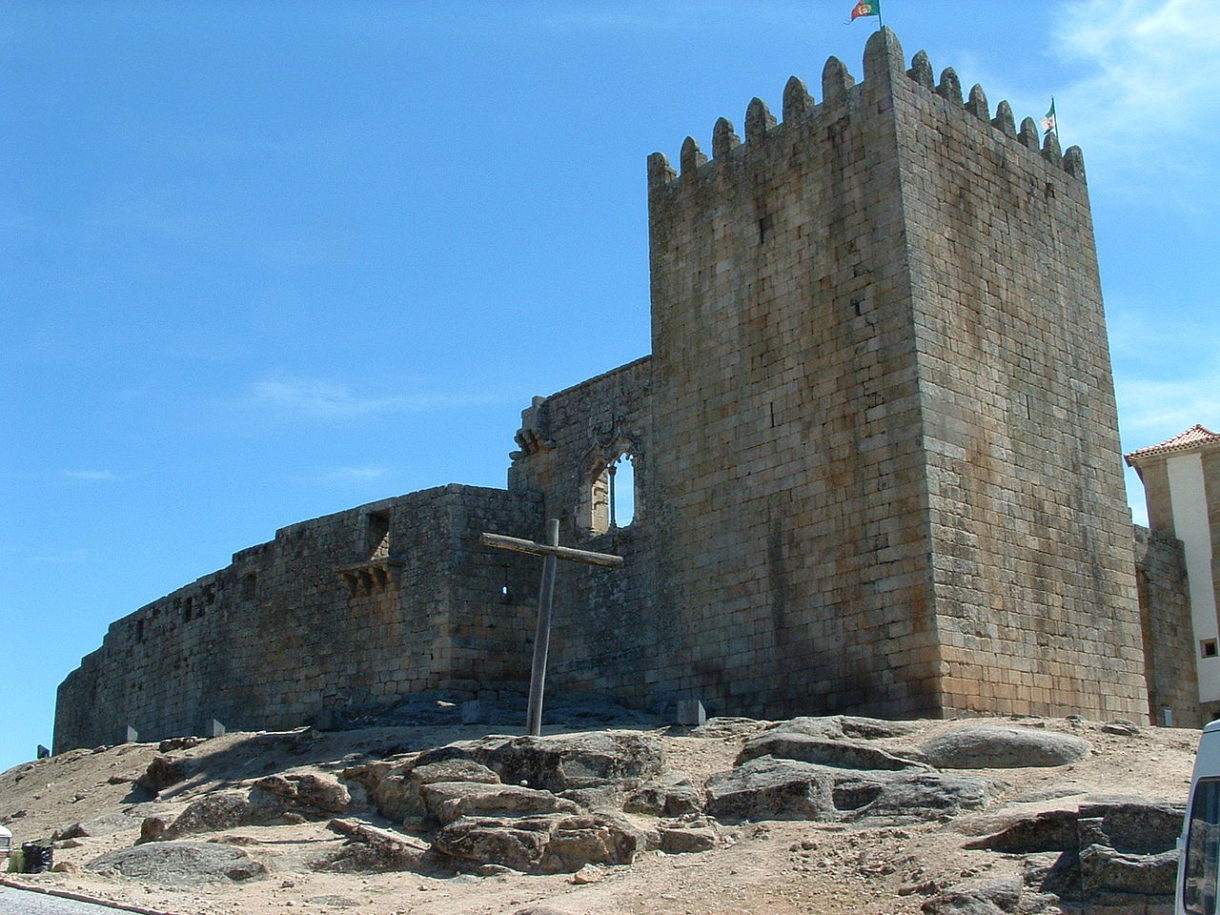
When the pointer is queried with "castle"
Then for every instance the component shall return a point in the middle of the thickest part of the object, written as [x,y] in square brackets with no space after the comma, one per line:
[874,455]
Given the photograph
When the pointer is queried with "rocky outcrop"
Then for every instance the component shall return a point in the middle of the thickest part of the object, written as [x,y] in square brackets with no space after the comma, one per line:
[549,844]
[179,863]
[842,753]
[775,789]
[989,747]
[1112,852]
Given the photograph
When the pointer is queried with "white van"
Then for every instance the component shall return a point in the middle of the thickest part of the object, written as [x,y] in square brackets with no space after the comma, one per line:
[6,848]
[1199,863]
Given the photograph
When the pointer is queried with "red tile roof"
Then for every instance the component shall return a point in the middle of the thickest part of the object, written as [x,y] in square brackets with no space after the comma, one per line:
[1185,441]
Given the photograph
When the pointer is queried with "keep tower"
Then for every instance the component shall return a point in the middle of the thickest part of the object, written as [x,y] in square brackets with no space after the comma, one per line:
[884,467]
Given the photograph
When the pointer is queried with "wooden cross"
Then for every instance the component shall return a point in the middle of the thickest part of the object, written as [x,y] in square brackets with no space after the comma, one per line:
[550,551]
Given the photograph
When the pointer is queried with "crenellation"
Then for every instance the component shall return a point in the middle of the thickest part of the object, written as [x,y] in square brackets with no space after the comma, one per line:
[759,120]
[950,86]
[836,81]
[921,70]
[724,140]
[691,157]
[1004,121]
[977,103]
[1050,148]
[798,103]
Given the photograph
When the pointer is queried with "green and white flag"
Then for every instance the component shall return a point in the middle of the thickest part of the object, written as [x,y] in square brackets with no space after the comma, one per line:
[1049,122]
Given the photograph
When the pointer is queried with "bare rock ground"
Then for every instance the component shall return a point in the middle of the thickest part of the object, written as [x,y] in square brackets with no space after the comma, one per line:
[310,837]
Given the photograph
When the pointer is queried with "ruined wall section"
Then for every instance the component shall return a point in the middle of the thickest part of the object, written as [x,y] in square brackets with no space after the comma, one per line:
[786,468]
[350,609]
[1168,633]
[606,637]
[1031,536]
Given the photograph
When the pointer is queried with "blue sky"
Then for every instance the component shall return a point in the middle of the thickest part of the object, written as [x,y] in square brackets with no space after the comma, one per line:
[265,260]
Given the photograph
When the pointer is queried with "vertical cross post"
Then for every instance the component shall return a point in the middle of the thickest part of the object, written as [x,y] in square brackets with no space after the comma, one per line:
[542,633]
[551,552]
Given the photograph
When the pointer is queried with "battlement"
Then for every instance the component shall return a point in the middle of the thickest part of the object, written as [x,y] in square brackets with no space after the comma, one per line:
[883,64]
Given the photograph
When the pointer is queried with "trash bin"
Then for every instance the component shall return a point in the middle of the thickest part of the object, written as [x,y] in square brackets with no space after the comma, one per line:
[36,859]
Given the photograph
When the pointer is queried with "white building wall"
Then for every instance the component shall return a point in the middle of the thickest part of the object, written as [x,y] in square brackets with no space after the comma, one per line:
[1188,499]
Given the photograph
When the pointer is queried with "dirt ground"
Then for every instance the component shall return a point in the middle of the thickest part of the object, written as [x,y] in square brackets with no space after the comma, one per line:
[773,867]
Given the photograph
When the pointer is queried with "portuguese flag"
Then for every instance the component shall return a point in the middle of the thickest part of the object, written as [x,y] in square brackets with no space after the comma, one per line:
[866,8]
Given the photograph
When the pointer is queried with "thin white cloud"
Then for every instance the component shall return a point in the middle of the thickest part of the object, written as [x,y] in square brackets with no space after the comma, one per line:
[352,474]
[1153,81]
[1154,410]
[91,476]
[324,400]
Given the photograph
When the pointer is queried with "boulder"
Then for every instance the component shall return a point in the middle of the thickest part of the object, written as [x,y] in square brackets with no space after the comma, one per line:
[449,801]
[1128,825]
[179,863]
[394,788]
[671,795]
[1134,825]
[1050,830]
[549,844]
[771,789]
[221,811]
[836,727]
[161,773]
[383,850]
[991,747]
[841,753]
[1104,872]
[686,837]
[313,795]
[994,898]
[566,761]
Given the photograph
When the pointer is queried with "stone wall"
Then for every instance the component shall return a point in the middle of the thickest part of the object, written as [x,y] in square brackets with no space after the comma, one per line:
[354,608]
[1032,571]
[1169,644]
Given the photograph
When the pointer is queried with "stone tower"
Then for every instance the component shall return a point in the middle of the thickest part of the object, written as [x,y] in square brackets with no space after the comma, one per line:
[883,473]
[1181,479]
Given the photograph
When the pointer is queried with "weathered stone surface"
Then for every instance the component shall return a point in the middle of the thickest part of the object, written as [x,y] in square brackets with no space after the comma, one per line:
[1129,825]
[386,850]
[565,761]
[767,788]
[161,773]
[1050,830]
[221,811]
[771,789]
[841,753]
[1137,826]
[671,795]
[678,838]
[309,793]
[1105,871]
[553,843]
[179,863]
[449,801]
[851,726]
[989,747]
[993,898]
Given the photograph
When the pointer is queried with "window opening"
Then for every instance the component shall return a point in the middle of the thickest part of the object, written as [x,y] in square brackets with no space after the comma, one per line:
[621,496]
[377,535]
[1207,648]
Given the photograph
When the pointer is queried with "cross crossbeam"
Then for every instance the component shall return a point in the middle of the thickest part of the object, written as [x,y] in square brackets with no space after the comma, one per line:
[551,551]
